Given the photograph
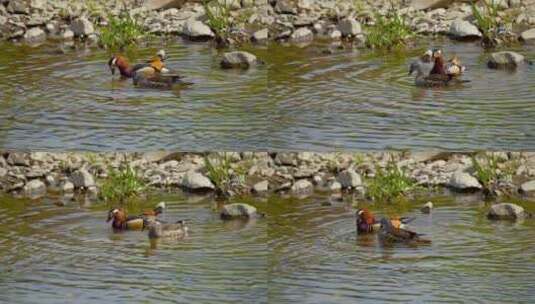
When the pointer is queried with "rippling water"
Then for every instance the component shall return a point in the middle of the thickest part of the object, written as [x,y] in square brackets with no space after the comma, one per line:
[302,99]
[318,258]
[305,251]
[53,254]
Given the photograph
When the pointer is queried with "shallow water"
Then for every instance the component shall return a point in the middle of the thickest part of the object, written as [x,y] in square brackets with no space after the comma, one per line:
[302,99]
[305,251]
[70,255]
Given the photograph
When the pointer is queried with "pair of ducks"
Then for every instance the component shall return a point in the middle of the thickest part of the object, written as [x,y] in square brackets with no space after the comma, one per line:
[152,74]
[432,70]
[391,230]
[149,219]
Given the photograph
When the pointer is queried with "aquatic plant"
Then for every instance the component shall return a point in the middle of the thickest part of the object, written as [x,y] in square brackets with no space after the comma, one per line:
[121,31]
[489,169]
[219,17]
[389,183]
[486,18]
[224,174]
[122,184]
[388,32]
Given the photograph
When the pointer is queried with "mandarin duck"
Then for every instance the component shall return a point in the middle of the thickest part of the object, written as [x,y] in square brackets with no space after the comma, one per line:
[123,222]
[388,233]
[433,80]
[160,207]
[452,68]
[425,62]
[153,73]
[159,229]
[366,221]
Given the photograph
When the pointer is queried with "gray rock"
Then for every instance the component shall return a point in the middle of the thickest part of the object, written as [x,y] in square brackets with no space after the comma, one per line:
[3,162]
[505,59]
[334,186]
[427,207]
[238,59]
[506,211]
[285,7]
[349,27]
[528,35]
[528,186]
[349,179]
[430,4]
[196,181]
[261,35]
[163,4]
[38,4]
[238,210]
[82,179]
[197,29]
[35,35]
[286,158]
[67,187]
[463,29]
[34,187]
[260,187]
[67,35]
[18,7]
[18,159]
[462,181]
[302,186]
[3,172]
[302,34]
[82,27]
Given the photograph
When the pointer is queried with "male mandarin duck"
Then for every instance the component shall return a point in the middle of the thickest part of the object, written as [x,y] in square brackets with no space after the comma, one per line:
[391,234]
[366,221]
[123,222]
[159,229]
[433,80]
[452,68]
[153,73]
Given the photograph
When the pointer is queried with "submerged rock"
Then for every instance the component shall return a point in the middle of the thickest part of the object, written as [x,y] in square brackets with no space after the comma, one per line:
[238,210]
[34,188]
[505,59]
[238,59]
[302,186]
[464,29]
[463,181]
[34,35]
[507,211]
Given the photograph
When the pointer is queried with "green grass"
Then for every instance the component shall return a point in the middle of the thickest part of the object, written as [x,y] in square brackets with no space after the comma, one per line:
[223,173]
[122,184]
[486,18]
[389,183]
[389,31]
[489,169]
[219,17]
[121,32]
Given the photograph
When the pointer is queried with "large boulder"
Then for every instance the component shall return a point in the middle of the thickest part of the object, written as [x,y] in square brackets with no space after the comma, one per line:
[260,35]
[463,29]
[430,4]
[528,187]
[302,186]
[238,210]
[505,59]
[528,35]
[195,181]
[238,59]
[302,34]
[34,188]
[197,30]
[82,27]
[82,179]
[463,181]
[261,187]
[349,27]
[34,35]
[349,179]
[506,211]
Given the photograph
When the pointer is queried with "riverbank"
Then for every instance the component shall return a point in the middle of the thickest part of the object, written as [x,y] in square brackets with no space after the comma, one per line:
[380,176]
[262,20]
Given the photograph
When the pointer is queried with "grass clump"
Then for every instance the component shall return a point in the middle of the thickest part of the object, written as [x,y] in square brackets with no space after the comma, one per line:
[389,183]
[486,18]
[121,32]
[219,17]
[490,169]
[122,184]
[388,32]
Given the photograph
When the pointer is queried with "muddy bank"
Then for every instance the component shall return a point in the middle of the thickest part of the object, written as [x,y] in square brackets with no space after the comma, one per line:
[371,176]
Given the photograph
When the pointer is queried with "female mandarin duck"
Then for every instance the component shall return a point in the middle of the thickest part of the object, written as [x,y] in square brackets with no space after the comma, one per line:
[153,73]
[366,221]
[158,229]
[391,234]
[123,222]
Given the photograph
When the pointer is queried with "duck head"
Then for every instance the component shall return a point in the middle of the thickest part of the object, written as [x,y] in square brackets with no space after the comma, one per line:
[119,62]
[118,216]
[365,219]
[162,55]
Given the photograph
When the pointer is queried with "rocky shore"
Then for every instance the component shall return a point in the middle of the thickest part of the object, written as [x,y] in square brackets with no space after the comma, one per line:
[35,174]
[300,21]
